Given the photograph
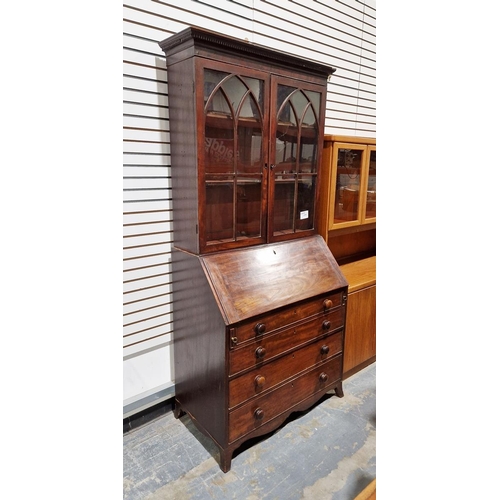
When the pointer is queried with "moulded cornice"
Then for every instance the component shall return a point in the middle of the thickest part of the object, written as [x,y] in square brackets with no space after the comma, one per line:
[208,39]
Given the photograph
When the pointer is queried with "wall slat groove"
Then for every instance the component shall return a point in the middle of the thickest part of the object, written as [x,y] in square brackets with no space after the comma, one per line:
[155,327]
[148,298]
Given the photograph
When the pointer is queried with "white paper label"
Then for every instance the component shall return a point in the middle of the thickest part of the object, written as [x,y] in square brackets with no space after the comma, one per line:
[304,214]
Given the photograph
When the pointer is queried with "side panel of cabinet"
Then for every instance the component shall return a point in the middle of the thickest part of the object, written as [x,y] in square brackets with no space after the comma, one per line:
[183,139]
[360,329]
[199,347]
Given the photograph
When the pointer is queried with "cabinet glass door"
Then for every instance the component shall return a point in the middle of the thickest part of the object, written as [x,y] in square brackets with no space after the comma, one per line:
[233,157]
[371,190]
[295,138]
[354,185]
[348,182]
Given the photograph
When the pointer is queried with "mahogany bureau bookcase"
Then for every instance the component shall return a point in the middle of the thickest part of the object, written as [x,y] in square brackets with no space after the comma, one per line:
[259,300]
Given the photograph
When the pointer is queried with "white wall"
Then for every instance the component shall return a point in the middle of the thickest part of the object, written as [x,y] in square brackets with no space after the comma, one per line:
[338,33]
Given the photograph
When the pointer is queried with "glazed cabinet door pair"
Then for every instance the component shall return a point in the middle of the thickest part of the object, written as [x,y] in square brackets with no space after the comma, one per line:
[259,144]
[354,187]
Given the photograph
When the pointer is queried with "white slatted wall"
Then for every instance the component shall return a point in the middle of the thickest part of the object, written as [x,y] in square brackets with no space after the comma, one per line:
[338,33]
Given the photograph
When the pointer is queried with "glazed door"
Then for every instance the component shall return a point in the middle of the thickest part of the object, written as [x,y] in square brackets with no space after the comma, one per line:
[354,186]
[296,136]
[370,211]
[233,178]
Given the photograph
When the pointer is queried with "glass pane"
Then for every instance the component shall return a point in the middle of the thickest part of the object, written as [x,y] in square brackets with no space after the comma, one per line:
[315,98]
[248,208]
[299,102]
[286,140]
[249,158]
[284,191]
[219,222]
[257,88]
[284,93]
[235,89]
[219,136]
[371,195]
[308,142]
[211,80]
[306,189]
[347,188]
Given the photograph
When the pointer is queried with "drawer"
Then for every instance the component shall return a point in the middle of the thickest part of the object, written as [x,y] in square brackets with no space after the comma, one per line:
[253,354]
[258,411]
[272,374]
[266,323]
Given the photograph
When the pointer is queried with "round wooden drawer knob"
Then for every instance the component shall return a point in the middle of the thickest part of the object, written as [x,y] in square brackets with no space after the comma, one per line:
[325,349]
[327,303]
[260,380]
[323,377]
[258,414]
[260,328]
[326,325]
[260,352]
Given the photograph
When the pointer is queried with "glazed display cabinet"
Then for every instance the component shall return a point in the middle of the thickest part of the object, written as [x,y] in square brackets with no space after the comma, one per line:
[259,301]
[349,190]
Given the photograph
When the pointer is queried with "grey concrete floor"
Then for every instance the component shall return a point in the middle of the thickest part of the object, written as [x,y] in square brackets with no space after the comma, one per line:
[325,453]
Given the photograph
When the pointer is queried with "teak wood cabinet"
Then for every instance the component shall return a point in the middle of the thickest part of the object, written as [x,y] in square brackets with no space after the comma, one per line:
[360,328]
[259,300]
[348,224]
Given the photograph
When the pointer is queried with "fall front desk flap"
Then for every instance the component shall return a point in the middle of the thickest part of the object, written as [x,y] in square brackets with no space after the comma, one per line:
[252,281]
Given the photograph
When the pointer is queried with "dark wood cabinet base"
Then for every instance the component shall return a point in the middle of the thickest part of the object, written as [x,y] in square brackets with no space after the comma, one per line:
[244,363]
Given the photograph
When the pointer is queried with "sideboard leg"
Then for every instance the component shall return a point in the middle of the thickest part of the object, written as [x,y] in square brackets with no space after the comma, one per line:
[225,459]
[177,409]
[339,391]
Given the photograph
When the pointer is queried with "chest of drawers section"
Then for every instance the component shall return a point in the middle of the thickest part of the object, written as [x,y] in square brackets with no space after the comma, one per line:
[259,334]
[272,371]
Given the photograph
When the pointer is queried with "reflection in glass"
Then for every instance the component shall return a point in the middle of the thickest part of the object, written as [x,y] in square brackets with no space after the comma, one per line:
[219,136]
[294,204]
[248,206]
[371,194]
[249,158]
[309,141]
[347,187]
[284,192]
[305,203]
[287,135]
[219,224]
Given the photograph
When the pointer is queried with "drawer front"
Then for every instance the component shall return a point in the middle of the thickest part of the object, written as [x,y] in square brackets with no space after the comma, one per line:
[271,374]
[269,346]
[266,407]
[266,323]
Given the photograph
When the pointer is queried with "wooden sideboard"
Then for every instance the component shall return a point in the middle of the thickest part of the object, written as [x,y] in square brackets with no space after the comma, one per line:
[360,338]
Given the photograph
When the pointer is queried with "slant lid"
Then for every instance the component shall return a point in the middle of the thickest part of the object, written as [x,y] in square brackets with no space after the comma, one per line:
[255,280]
